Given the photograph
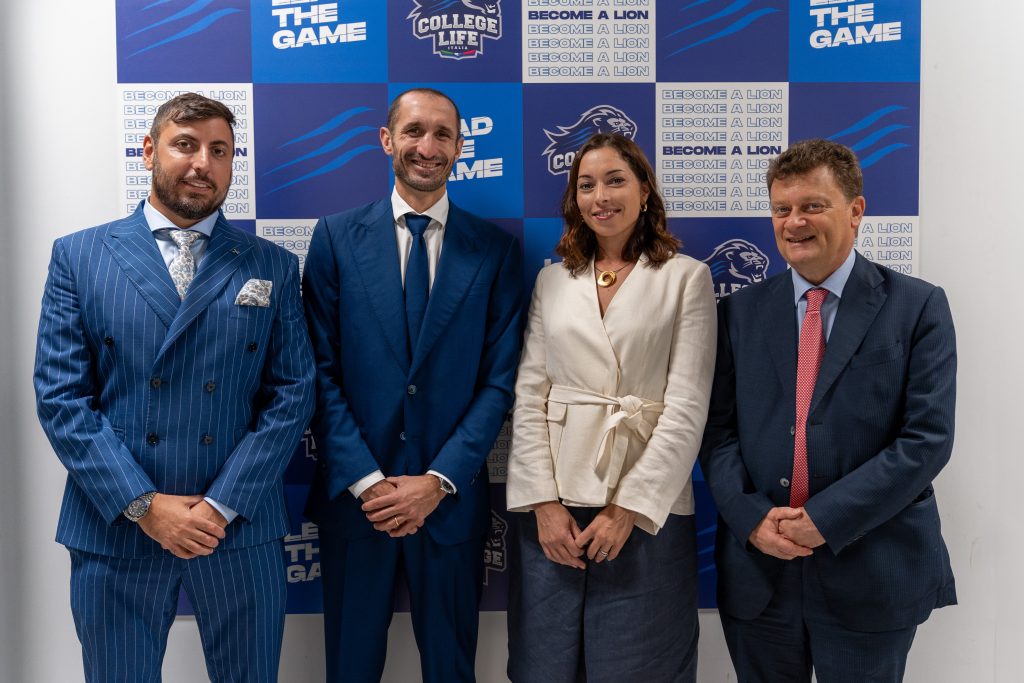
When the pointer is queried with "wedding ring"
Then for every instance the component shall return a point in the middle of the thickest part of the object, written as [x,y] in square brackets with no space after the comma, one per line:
[396,522]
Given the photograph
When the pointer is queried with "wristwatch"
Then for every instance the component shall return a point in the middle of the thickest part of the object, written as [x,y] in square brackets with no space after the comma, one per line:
[446,486]
[138,508]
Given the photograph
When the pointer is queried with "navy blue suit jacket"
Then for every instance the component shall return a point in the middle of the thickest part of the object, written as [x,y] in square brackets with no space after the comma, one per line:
[380,407]
[139,391]
[880,428]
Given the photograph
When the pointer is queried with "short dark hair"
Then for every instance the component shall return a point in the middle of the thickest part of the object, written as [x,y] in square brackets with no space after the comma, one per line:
[650,238]
[190,106]
[805,156]
[396,104]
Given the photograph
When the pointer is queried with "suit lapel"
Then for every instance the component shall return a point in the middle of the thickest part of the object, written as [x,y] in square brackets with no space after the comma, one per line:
[132,245]
[778,324]
[461,256]
[862,298]
[375,252]
[225,253]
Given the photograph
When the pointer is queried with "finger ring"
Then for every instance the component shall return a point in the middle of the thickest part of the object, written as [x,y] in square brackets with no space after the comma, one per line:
[396,522]
[602,553]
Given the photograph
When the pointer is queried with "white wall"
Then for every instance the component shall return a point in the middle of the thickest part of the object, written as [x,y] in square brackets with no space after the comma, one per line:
[57,127]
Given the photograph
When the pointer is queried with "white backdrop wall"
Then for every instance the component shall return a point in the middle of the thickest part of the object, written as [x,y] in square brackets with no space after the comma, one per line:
[58,122]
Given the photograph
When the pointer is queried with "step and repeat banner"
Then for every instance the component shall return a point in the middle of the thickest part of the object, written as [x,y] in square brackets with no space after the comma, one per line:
[710,89]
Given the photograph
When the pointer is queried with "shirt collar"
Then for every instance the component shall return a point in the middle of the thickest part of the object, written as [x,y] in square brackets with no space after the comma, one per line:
[437,212]
[158,221]
[834,283]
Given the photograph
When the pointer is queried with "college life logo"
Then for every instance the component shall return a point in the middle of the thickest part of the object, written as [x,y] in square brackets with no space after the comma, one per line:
[457,27]
[736,263]
[603,118]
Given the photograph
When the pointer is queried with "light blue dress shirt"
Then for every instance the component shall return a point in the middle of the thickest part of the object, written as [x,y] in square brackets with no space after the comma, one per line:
[169,250]
[834,283]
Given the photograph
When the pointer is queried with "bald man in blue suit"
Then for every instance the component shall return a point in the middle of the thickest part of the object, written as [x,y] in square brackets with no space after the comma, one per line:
[174,379]
[829,551]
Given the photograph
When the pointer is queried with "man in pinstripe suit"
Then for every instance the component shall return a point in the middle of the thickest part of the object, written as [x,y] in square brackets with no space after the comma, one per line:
[174,378]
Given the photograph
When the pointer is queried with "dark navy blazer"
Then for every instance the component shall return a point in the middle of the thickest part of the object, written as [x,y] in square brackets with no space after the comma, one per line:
[880,428]
[139,391]
[381,407]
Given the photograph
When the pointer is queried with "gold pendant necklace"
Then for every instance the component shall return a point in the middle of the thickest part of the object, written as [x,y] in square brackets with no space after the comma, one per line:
[607,278]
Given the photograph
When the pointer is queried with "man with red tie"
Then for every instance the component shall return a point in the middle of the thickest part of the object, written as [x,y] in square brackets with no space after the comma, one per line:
[831,414]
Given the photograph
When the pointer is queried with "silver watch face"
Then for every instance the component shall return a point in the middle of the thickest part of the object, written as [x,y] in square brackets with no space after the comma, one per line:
[138,508]
[447,487]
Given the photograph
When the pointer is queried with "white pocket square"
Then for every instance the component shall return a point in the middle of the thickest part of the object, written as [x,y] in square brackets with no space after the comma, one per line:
[255,293]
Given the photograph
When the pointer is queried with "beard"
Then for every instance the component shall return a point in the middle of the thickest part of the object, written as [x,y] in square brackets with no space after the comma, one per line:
[419,183]
[181,202]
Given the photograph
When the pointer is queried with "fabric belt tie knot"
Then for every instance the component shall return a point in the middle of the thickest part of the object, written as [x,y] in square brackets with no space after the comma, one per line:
[630,415]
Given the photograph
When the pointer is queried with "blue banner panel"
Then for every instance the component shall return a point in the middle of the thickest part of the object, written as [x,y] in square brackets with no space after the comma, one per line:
[878,121]
[319,148]
[325,42]
[722,40]
[183,41]
[739,251]
[855,42]
[560,118]
[454,40]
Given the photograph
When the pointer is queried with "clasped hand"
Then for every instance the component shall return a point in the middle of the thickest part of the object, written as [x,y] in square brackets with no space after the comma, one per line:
[564,542]
[786,533]
[400,505]
[185,526]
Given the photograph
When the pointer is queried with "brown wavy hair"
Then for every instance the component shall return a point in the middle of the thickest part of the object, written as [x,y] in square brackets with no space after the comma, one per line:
[650,237]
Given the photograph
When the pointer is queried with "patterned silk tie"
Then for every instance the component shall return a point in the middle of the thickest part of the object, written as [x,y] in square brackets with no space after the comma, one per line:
[417,278]
[812,348]
[183,266]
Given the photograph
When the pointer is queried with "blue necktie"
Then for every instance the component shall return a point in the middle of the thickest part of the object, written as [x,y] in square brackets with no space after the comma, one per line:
[417,278]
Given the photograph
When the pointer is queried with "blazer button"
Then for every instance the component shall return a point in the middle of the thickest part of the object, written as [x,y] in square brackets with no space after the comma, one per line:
[155,382]
[210,386]
[109,341]
[252,347]
[411,389]
[784,482]
[152,439]
[792,430]
[206,439]
[402,436]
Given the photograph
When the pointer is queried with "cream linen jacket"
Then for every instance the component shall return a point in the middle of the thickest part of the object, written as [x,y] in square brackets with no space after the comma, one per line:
[613,410]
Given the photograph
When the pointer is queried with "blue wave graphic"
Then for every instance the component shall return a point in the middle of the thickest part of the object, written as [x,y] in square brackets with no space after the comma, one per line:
[197,6]
[197,27]
[876,136]
[334,165]
[869,140]
[329,125]
[875,157]
[694,4]
[729,30]
[867,121]
[329,147]
[731,9]
[155,4]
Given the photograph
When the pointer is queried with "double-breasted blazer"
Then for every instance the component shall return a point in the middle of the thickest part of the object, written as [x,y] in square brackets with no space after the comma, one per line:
[612,409]
[139,391]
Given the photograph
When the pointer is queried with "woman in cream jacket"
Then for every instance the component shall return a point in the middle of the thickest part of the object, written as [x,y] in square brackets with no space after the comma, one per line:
[611,400]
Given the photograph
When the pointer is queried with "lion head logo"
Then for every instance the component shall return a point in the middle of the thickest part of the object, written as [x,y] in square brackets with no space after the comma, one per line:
[603,118]
[737,262]
[445,22]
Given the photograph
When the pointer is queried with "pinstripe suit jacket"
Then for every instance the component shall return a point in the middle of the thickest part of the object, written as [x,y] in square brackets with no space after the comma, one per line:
[879,429]
[138,391]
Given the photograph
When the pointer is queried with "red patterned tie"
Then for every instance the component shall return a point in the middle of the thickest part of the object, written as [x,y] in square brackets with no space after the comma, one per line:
[812,348]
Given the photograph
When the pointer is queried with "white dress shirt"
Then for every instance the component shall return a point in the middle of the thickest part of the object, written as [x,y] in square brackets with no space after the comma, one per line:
[433,237]
[169,250]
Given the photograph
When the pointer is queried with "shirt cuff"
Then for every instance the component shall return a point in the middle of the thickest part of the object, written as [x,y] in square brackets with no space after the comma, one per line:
[366,482]
[443,478]
[223,509]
